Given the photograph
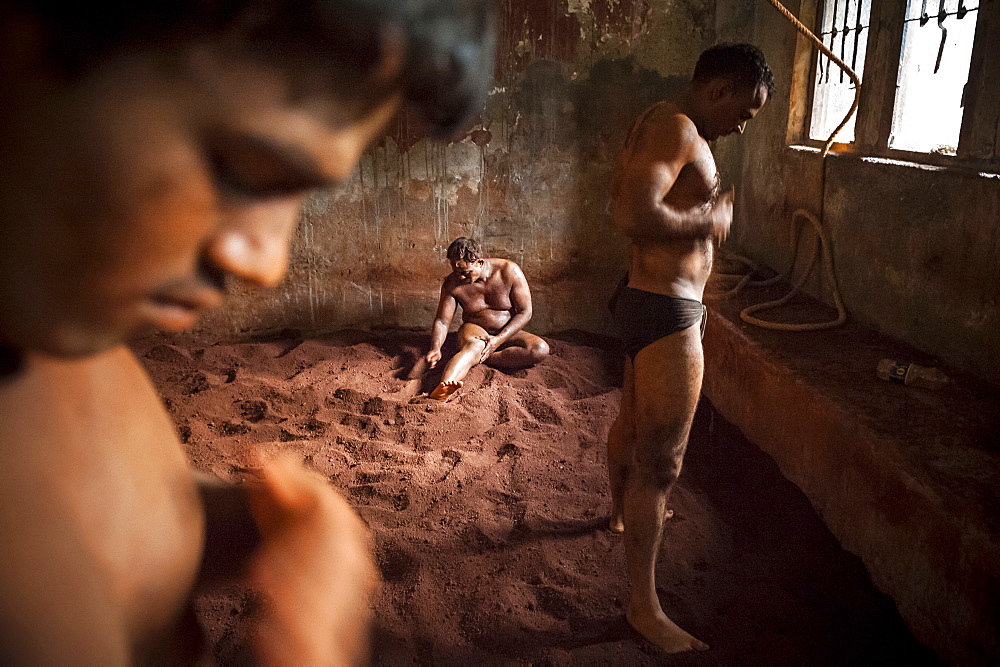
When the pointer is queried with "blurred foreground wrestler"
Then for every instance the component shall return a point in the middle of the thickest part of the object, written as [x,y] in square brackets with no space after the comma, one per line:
[665,198]
[496,304]
[150,151]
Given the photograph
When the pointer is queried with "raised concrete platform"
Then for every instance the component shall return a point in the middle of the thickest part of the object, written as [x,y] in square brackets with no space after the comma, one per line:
[907,479]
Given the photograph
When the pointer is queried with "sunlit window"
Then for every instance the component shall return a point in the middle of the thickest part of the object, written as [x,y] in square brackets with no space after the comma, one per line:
[934,68]
[845,32]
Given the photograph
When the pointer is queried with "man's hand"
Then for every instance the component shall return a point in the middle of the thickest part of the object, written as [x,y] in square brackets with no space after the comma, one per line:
[432,358]
[491,345]
[314,568]
[722,214]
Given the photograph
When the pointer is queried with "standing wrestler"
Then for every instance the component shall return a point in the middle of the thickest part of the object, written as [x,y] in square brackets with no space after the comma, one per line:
[496,304]
[666,200]
[152,151]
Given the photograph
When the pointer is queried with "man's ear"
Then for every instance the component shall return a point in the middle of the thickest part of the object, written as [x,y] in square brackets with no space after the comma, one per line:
[720,88]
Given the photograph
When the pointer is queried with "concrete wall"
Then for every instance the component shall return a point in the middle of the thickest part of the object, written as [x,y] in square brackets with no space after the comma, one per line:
[530,180]
[916,248]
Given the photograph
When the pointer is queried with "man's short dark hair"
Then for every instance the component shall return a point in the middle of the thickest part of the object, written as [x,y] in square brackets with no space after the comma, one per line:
[744,64]
[464,249]
[446,73]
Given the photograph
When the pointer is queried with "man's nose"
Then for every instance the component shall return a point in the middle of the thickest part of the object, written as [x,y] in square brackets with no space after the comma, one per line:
[252,242]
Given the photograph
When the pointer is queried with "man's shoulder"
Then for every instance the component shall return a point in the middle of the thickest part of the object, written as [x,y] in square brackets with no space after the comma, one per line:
[506,267]
[667,121]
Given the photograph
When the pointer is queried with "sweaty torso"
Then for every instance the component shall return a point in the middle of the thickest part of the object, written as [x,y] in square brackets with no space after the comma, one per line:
[486,303]
[679,267]
[108,521]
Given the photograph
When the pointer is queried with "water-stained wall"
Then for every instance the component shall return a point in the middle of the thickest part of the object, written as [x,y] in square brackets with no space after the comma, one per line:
[916,248]
[529,180]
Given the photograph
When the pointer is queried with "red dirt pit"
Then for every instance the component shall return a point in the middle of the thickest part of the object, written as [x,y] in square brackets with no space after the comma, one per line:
[489,512]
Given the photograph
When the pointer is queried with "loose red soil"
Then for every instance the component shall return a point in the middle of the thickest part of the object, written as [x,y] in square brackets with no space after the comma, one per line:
[489,512]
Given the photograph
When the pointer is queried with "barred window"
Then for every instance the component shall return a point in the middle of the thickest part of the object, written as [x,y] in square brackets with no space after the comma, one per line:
[930,72]
[845,32]
[933,72]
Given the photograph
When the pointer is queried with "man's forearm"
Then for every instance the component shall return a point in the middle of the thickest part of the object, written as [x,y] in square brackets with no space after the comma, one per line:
[667,223]
[439,333]
[513,325]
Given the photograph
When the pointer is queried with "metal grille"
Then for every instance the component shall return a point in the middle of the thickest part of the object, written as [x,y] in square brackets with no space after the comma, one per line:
[845,26]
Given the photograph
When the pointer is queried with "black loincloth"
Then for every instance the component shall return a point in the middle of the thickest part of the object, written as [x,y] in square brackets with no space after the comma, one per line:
[645,317]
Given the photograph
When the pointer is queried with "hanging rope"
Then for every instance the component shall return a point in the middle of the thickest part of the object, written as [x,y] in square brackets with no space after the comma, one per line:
[818,43]
[823,241]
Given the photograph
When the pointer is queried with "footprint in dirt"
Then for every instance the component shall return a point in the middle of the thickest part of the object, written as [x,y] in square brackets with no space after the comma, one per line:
[396,563]
[253,410]
[541,410]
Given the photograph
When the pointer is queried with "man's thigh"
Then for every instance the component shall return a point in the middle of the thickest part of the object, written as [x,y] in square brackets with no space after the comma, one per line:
[469,333]
[522,339]
[666,380]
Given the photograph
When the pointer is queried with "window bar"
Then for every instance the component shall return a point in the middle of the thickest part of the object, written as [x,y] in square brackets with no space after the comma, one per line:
[833,37]
[962,11]
[819,54]
[843,36]
[857,35]
[944,34]
[924,18]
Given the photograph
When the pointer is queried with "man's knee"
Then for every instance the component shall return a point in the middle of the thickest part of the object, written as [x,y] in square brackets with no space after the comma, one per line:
[659,453]
[474,344]
[538,350]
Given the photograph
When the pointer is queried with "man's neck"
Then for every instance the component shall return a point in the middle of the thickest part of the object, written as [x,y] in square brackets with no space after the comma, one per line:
[487,271]
[692,106]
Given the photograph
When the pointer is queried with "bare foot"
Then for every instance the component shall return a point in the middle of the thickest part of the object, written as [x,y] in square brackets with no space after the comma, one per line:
[663,632]
[617,522]
[445,391]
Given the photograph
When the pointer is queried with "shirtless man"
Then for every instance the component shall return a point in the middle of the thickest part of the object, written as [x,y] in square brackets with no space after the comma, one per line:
[665,198]
[150,150]
[496,304]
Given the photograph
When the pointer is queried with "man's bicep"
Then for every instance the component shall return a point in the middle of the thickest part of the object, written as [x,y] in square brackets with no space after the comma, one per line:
[520,293]
[446,305]
[659,160]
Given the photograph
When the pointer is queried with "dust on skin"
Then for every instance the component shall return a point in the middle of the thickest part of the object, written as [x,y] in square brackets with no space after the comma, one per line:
[496,305]
[665,199]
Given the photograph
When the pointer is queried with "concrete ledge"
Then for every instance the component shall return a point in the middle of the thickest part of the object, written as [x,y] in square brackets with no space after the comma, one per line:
[907,479]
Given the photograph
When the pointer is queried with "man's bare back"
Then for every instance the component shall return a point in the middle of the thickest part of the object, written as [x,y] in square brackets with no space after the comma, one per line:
[496,305]
[665,199]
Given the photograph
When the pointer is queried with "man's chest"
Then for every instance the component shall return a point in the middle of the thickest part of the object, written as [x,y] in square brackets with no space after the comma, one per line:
[492,294]
[699,181]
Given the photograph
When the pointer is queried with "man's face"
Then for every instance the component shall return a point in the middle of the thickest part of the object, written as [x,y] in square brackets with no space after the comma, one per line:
[136,191]
[731,108]
[466,271]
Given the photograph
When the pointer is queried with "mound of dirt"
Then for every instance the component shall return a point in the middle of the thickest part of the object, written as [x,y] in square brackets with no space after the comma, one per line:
[489,511]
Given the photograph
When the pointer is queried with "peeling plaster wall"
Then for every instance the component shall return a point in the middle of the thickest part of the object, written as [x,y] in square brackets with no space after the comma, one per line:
[529,181]
[916,249]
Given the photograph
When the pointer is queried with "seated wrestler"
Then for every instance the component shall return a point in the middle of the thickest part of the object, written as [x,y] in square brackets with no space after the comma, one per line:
[496,304]
[152,151]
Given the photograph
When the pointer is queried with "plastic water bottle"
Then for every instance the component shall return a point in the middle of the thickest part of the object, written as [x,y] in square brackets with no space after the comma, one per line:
[912,375]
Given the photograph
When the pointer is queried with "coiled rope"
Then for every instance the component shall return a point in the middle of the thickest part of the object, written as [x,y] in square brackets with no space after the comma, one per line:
[823,241]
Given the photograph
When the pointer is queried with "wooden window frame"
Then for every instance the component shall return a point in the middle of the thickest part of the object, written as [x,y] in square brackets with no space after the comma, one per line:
[979,139]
